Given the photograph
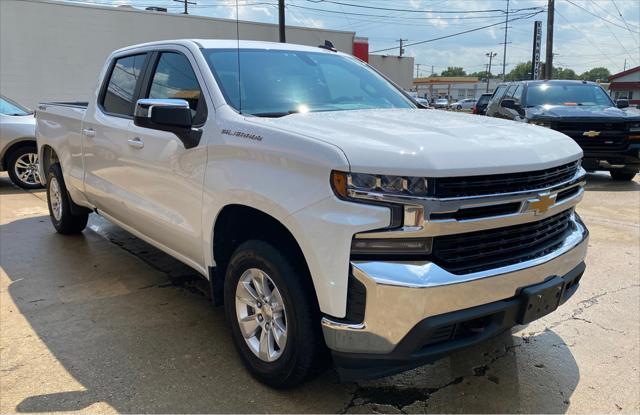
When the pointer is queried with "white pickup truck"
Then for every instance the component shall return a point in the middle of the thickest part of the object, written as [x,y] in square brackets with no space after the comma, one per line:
[327,211]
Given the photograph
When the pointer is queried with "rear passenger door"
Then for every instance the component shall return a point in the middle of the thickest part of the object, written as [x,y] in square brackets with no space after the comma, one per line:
[105,131]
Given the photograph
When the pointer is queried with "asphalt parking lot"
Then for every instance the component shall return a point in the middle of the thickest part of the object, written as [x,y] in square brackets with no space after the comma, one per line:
[103,322]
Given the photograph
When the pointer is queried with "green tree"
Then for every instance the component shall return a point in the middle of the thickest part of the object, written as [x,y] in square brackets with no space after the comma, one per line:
[521,72]
[599,73]
[482,75]
[564,73]
[454,71]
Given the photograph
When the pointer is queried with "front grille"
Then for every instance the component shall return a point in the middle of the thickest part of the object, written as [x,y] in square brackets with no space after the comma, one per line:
[504,183]
[493,248]
[612,135]
[479,212]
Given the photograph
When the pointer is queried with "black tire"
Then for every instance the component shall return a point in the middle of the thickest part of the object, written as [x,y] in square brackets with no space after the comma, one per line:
[304,352]
[19,155]
[459,107]
[623,175]
[66,223]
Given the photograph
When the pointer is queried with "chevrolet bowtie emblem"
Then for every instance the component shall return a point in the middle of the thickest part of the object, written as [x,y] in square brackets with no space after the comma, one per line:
[591,133]
[542,203]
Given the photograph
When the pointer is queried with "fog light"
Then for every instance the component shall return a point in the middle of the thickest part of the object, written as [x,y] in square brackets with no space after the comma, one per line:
[391,246]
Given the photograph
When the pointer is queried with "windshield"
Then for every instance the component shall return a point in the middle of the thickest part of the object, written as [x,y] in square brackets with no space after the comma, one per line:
[568,94]
[275,83]
[8,107]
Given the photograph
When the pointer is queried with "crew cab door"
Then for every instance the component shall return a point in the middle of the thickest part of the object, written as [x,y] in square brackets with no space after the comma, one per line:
[157,189]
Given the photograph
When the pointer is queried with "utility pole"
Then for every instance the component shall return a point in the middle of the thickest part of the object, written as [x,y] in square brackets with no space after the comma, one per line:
[417,70]
[625,65]
[490,55]
[548,64]
[401,48]
[281,24]
[186,4]
[504,51]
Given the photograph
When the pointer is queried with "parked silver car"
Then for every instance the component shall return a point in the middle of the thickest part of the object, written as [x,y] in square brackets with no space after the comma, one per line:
[18,150]
[441,103]
[463,104]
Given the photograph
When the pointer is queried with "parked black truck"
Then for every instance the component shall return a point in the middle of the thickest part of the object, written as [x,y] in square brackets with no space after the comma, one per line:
[608,135]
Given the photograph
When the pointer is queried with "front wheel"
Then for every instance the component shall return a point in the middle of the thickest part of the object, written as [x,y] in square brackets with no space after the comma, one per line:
[274,323]
[459,107]
[623,175]
[59,203]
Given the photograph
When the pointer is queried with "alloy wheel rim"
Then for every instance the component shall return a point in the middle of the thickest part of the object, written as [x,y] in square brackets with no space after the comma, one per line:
[261,315]
[55,198]
[26,169]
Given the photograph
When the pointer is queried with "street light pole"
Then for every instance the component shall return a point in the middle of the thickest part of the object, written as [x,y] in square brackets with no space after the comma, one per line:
[504,51]
[490,55]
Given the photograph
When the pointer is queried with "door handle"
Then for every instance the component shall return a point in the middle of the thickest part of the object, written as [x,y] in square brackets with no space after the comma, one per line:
[89,132]
[136,142]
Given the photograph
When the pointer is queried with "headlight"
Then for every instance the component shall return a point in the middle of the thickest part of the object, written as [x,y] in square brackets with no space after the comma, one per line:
[345,185]
[539,123]
[381,189]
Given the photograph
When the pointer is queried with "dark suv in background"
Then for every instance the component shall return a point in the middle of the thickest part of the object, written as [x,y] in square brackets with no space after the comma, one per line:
[480,107]
[609,136]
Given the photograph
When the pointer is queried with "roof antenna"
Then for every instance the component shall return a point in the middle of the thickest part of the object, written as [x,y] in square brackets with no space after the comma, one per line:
[328,46]
[238,54]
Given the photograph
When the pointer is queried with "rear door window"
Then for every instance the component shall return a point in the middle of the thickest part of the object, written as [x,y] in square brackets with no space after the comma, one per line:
[517,95]
[121,89]
[510,91]
[498,92]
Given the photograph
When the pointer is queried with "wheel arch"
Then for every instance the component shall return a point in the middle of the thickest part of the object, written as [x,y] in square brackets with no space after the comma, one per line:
[13,146]
[237,223]
[48,156]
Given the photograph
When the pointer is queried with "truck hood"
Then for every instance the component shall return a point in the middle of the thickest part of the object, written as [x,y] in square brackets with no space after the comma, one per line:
[595,113]
[418,142]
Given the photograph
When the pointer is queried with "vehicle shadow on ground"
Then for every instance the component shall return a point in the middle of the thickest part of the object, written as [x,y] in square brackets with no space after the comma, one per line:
[602,182]
[141,341]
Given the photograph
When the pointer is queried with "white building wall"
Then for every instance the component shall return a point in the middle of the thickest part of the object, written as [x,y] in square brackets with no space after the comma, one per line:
[54,51]
[398,69]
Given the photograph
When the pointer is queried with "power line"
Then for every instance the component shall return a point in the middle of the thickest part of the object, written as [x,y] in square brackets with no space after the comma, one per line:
[586,37]
[600,17]
[413,10]
[624,21]
[459,33]
[387,16]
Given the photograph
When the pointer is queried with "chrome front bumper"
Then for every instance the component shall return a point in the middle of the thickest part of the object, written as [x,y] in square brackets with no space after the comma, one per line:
[401,294]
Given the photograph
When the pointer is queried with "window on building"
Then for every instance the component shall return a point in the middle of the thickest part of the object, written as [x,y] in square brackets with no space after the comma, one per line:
[119,95]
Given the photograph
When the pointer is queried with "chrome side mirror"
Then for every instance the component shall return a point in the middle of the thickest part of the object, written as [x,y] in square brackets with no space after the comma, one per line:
[172,115]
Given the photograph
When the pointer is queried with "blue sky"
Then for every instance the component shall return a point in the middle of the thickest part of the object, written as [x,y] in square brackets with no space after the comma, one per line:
[588,33]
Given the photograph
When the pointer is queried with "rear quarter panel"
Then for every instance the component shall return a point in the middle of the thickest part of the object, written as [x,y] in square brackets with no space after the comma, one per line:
[60,127]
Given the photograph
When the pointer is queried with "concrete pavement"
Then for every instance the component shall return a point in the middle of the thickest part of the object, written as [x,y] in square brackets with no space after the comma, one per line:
[103,322]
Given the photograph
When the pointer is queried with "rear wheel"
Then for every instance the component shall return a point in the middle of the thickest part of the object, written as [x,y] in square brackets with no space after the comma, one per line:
[459,107]
[60,203]
[274,322]
[22,166]
[623,175]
